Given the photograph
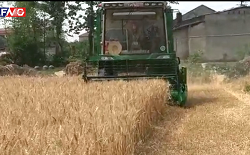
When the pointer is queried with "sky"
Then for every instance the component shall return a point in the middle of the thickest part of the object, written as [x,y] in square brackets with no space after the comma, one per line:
[183,7]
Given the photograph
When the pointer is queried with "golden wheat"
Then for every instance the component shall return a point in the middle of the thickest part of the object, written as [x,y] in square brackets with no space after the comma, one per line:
[66,116]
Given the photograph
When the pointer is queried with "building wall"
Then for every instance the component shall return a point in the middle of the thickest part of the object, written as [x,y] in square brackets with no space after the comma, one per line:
[227,34]
[181,43]
[189,40]
[223,36]
[197,39]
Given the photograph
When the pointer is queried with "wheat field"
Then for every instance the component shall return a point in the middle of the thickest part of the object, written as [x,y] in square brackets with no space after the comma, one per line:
[55,115]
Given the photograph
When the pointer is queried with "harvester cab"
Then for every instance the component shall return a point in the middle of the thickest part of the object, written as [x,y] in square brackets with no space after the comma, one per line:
[134,40]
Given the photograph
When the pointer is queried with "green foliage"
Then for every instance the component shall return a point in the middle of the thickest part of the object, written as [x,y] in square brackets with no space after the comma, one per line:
[26,41]
[60,60]
[5,59]
[3,42]
[76,51]
[231,70]
[235,71]
[247,88]
[25,53]
[196,57]
[57,12]
[77,21]
[23,43]
[79,49]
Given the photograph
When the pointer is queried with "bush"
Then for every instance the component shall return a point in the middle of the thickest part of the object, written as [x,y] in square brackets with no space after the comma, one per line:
[247,88]
[5,59]
[25,49]
[196,57]
[59,60]
[235,71]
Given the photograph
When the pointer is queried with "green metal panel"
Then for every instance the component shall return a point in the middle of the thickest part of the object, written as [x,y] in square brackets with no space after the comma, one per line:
[169,20]
[132,57]
[97,33]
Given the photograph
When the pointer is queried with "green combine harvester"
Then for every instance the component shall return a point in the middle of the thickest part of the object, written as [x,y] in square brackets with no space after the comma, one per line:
[134,40]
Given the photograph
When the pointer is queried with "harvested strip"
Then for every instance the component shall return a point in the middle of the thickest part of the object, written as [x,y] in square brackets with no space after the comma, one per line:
[215,122]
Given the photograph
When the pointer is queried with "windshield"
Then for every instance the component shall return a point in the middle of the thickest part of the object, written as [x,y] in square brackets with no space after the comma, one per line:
[134,31]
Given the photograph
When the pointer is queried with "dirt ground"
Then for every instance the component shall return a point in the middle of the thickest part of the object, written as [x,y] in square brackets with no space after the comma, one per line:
[215,122]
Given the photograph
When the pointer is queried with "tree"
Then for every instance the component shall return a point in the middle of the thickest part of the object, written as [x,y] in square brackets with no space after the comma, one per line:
[88,23]
[57,12]
[77,25]
[24,41]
